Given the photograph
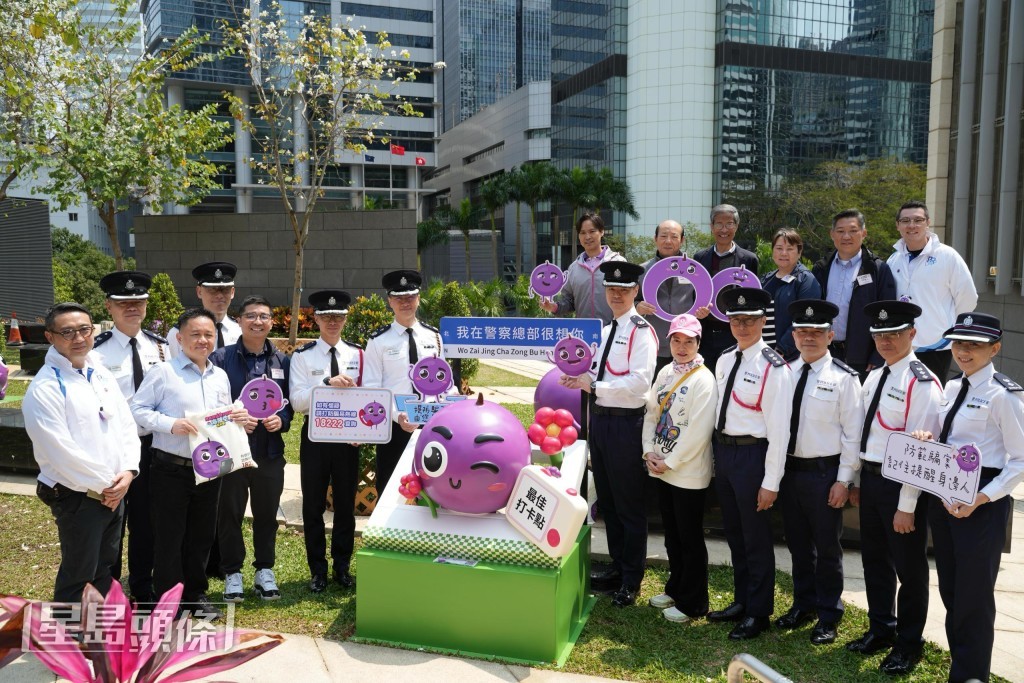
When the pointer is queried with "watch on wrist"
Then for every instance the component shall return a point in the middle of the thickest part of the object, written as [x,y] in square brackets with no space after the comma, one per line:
[847,484]
[593,386]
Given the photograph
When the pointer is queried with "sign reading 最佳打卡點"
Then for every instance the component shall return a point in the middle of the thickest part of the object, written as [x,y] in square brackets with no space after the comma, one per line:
[951,473]
[350,415]
[515,338]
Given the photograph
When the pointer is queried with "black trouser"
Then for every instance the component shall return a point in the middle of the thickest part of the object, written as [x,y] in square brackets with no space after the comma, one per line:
[682,513]
[184,516]
[89,534]
[261,487]
[619,477]
[967,559]
[813,528]
[140,530]
[336,464]
[388,455]
[937,361]
[739,471]
[887,555]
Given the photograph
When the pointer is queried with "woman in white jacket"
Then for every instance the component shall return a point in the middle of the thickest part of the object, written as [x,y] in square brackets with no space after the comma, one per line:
[677,447]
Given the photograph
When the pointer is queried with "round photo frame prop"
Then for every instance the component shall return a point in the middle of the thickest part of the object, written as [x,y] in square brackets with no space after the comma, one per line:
[681,267]
[727,279]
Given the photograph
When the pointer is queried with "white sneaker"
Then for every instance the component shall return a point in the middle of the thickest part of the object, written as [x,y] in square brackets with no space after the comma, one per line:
[266,584]
[233,590]
[661,601]
[672,614]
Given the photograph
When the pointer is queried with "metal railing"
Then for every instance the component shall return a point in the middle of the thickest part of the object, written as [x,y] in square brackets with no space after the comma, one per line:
[745,663]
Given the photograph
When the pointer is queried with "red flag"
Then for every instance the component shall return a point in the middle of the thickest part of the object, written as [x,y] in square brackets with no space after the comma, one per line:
[420,161]
[398,150]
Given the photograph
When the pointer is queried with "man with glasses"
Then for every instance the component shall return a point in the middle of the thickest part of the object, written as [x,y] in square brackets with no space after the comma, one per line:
[936,278]
[87,447]
[129,352]
[675,295]
[852,277]
[253,357]
[725,253]
[901,396]
[755,390]
[215,287]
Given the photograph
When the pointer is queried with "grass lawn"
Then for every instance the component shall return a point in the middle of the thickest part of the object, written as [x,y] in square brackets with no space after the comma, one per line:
[489,376]
[15,391]
[633,644]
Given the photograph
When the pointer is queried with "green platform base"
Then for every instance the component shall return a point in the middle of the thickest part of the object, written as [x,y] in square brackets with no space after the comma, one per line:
[494,611]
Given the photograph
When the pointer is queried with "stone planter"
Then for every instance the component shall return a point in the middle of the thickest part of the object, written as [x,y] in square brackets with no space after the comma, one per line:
[15,446]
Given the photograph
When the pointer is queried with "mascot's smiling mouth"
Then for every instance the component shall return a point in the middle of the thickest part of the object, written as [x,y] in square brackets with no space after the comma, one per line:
[454,484]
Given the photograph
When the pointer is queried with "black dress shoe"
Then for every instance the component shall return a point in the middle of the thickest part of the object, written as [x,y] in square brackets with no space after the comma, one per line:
[899,662]
[869,644]
[344,579]
[734,612]
[750,627]
[794,618]
[203,609]
[318,583]
[625,596]
[605,580]
[823,634]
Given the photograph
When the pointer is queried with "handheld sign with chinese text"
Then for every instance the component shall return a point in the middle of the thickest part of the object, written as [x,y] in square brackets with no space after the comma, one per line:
[950,473]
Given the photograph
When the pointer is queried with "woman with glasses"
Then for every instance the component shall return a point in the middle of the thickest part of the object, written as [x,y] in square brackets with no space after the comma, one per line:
[789,282]
[982,415]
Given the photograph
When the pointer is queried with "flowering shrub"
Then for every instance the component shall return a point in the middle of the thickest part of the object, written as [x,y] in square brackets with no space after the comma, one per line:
[366,315]
[283,319]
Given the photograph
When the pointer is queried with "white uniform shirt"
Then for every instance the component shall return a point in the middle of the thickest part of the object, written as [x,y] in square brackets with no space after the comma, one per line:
[683,438]
[387,356]
[629,369]
[311,365]
[758,381]
[115,353]
[231,332]
[831,414]
[82,432]
[992,418]
[893,414]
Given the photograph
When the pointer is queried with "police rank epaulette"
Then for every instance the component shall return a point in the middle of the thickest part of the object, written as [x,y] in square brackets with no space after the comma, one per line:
[775,359]
[1007,382]
[154,336]
[429,327]
[731,349]
[377,333]
[353,344]
[921,372]
[844,367]
[105,337]
[305,347]
[639,321]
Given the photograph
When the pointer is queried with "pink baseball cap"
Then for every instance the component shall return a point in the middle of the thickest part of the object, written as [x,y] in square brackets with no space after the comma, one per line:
[686,324]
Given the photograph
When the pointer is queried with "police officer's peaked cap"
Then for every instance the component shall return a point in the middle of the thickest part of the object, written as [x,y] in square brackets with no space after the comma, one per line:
[402,282]
[330,302]
[891,316]
[813,313]
[979,327]
[621,273]
[215,274]
[125,285]
[743,301]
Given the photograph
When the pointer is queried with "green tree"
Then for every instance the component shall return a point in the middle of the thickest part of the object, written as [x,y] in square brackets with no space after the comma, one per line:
[366,315]
[517,194]
[163,307]
[317,90]
[494,194]
[576,188]
[449,300]
[538,186]
[78,266]
[612,193]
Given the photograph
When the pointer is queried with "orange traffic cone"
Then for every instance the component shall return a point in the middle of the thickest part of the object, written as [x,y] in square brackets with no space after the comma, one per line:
[15,338]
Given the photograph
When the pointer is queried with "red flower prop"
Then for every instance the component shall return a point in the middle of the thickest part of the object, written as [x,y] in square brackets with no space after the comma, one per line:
[411,487]
[553,430]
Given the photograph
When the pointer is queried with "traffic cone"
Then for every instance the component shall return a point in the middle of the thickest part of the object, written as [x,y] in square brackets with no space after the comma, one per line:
[15,338]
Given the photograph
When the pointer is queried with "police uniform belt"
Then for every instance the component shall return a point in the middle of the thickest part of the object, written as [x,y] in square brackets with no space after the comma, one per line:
[729,440]
[820,464]
[603,410]
[170,458]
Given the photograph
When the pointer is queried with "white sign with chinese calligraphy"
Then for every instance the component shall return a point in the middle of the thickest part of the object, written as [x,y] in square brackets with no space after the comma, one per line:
[950,473]
[547,509]
[350,415]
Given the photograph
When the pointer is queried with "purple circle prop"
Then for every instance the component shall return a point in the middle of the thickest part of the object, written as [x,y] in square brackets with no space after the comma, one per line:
[211,459]
[682,267]
[262,397]
[546,280]
[729,278]
[551,394]
[431,376]
[968,457]
[573,356]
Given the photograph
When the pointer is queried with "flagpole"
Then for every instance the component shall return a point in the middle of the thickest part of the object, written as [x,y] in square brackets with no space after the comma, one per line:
[391,176]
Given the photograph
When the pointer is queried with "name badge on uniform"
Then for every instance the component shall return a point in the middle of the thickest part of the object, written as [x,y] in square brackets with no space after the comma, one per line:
[114,368]
[276,373]
[392,352]
[788,279]
[316,373]
[864,279]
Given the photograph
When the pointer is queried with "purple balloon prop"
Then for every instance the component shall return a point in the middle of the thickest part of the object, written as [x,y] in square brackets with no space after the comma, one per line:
[547,280]
[431,376]
[968,457]
[551,394]
[729,278]
[469,455]
[573,356]
[682,267]
[211,459]
[372,414]
[262,397]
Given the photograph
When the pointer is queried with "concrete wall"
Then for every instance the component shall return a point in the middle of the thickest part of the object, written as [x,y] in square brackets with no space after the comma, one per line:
[350,250]
[1010,311]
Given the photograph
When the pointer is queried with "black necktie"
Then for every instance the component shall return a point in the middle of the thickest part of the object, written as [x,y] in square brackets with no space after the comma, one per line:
[414,354]
[872,407]
[334,362]
[798,399]
[726,397]
[136,363]
[607,349]
[948,424]
[220,335]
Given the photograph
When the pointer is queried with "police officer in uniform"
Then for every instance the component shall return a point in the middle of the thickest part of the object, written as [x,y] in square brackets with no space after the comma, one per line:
[901,396]
[215,287]
[618,387]
[390,352]
[328,361]
[751,434]
[129,351]
[824,435]
[985,409]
